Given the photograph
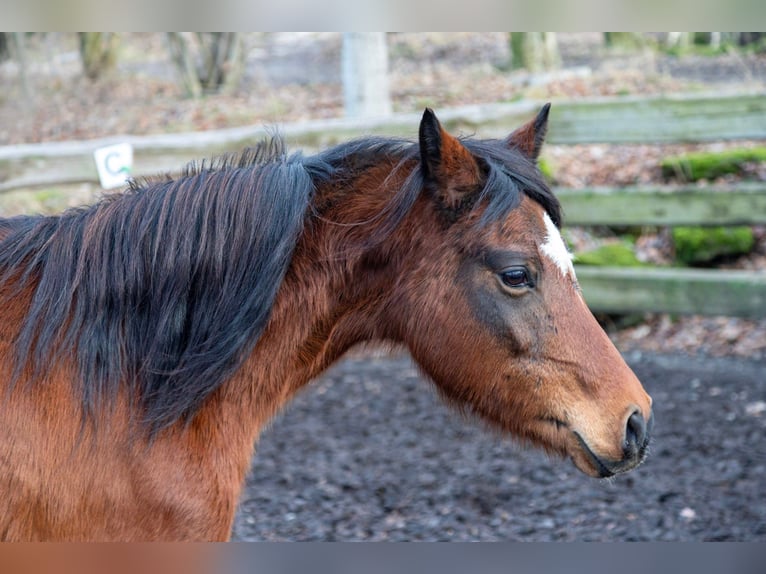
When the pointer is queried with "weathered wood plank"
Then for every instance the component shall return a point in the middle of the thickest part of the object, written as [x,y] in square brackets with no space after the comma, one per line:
[682,291]
[744,204]
[659,120]
[605,120]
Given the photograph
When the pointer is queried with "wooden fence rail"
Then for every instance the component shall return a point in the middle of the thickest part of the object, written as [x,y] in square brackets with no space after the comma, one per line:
[744,204]
[617,120]
[603,120]
[671,290]
[674,290]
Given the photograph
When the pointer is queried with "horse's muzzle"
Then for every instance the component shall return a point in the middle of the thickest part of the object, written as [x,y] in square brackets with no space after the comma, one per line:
[635,445]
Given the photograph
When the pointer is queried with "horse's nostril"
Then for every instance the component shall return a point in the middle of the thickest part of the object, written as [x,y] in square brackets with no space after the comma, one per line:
[635,434]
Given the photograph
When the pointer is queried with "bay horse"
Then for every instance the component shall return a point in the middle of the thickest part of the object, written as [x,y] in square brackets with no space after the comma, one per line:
[147,339]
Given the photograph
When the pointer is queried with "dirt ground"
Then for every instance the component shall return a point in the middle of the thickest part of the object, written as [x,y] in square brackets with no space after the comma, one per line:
[369,452]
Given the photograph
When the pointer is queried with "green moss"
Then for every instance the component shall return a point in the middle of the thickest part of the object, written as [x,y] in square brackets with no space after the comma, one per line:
[701,245]
[619,254]
[709,165]
[546,169]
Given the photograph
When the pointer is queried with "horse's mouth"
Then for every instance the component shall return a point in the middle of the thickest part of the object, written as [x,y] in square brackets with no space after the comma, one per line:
[606,468]
[558,423]
[587,461]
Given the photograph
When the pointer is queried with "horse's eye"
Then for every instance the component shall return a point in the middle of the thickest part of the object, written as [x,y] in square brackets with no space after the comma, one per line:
[516,277]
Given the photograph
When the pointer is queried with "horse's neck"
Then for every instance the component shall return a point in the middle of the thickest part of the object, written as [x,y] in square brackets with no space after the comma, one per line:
[324,307]
[332,297]
[307,332]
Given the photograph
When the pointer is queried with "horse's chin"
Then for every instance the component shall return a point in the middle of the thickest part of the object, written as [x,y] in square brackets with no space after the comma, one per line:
[590,465]
[593,465]
[558,437]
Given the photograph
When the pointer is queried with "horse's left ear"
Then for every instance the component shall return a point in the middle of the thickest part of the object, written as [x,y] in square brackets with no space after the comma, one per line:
[448,167]
[528,139]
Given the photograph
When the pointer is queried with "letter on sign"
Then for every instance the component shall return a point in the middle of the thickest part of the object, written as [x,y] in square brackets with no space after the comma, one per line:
[114,164]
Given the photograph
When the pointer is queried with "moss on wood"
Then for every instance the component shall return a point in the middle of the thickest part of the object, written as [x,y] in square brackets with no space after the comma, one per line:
[546,169]
[709,165]
[702,245]
[618,254]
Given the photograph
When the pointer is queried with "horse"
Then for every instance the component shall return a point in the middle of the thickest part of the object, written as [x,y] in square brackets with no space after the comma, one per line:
[145,340]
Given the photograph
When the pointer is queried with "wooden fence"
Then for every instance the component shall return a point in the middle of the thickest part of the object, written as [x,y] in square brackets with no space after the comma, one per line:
[697,118]
[673,290]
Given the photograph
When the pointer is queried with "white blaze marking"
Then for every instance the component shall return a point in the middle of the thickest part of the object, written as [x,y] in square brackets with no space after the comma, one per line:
[555,248]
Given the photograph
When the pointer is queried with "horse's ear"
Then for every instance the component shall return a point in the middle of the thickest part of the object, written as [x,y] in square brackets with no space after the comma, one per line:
[447,166]
[528,139]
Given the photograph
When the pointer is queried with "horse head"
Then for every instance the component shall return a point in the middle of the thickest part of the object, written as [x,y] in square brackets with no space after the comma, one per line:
[492,311]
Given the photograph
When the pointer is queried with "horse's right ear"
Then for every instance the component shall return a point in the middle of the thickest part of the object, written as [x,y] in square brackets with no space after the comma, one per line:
[528,139]
[447,166]
[430,138]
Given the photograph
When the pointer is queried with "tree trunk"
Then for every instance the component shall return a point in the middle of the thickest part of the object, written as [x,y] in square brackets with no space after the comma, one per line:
[682,41]
[746,38]
[551,55]
[98,52]
[207,62]
[534,51]
[18,45]
[222,60]
[365,74]
[624,40]
[4,52]
[182,57]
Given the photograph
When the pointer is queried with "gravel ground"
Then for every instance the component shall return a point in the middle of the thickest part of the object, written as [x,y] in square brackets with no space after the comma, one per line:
[369,452]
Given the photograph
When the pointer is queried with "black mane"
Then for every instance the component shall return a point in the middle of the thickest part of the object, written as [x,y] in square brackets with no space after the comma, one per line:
[170,284]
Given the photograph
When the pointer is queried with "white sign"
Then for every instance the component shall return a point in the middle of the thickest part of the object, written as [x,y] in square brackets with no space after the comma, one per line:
[114,164]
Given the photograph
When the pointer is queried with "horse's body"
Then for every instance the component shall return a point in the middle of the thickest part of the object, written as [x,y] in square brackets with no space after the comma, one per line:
[145,341]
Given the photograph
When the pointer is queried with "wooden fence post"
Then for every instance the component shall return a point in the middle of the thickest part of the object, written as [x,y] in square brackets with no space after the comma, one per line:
[365,74]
